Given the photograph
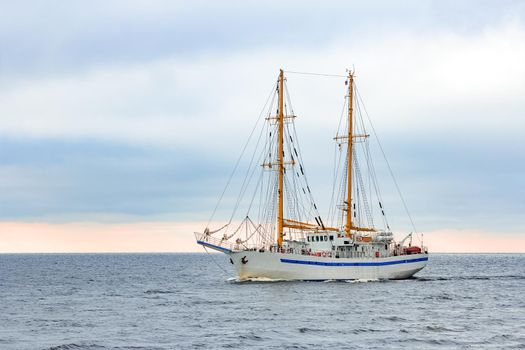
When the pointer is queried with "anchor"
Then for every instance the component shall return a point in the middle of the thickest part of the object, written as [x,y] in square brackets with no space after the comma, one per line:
[243,260]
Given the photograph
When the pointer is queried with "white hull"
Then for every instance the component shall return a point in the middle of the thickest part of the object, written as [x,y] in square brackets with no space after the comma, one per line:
[303,267]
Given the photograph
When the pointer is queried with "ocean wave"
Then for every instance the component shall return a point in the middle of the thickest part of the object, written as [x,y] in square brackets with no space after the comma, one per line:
[393,318]
[466,278]
[158,291]
[309,330]
[250,337]
[365,330]
[443,296]
[436,328]
[74,346]
[441,342]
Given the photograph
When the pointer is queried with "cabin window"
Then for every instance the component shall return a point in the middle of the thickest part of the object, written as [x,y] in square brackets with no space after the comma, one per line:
[317,238]
[331,238]
[347,242]
[326,238]
[308,238]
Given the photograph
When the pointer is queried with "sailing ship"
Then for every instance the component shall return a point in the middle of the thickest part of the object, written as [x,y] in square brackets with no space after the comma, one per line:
[287,239]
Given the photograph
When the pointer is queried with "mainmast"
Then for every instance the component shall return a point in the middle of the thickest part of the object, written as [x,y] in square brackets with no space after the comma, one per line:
[348,225]
[280,161]
[347,207]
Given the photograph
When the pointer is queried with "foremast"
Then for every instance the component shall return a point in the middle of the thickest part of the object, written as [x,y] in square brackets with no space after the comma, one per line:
[283,222]
[280,161]
[348,208]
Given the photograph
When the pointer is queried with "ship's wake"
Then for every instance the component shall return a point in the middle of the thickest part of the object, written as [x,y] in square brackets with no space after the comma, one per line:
[255,279]
[270,280]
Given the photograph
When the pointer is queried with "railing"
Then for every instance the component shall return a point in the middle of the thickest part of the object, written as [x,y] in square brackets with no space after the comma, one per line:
[202,237]
[221,243]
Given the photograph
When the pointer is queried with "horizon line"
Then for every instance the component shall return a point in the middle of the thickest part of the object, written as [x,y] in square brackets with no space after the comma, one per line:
[190,252]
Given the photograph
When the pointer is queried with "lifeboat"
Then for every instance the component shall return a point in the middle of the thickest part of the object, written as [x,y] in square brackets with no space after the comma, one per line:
[412,250]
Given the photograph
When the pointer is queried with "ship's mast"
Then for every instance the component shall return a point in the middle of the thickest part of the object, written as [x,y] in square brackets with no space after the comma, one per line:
[348,225]
[280,161]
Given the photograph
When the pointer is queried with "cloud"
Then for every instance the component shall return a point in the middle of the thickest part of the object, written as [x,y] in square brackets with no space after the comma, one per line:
[58,37]
[65,180]
[417,81]
[117,112]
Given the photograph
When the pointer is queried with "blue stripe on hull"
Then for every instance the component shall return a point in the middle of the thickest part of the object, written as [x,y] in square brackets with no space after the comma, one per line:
[206,244]
[382,263]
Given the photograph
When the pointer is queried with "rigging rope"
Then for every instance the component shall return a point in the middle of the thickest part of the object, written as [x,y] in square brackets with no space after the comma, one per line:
[296,203]
[318,74]
[240,157]
[212,258]
[386,160]
[371,169]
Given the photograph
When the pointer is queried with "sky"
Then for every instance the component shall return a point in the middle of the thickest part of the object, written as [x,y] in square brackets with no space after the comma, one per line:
[121,121]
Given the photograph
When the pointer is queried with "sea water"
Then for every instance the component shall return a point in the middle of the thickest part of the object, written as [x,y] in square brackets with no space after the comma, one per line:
[193,301]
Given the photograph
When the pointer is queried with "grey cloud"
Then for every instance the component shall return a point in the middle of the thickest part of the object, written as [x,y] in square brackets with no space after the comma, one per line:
[46,38]
[54,179]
